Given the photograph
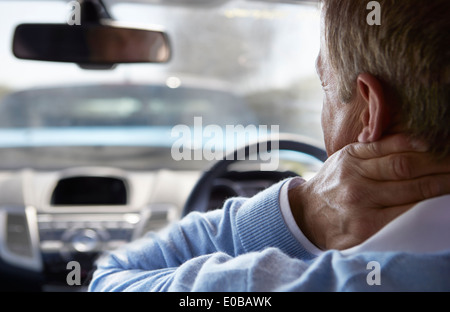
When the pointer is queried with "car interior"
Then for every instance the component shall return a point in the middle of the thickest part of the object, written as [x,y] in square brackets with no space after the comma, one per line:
[119,117]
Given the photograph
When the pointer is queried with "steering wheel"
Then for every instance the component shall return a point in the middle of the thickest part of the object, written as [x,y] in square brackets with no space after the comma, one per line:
[199,197]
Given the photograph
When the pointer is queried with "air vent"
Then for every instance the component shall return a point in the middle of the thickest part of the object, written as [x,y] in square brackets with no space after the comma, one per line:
[18,239]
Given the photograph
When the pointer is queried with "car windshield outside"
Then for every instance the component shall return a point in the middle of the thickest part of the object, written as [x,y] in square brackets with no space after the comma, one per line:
[233,63]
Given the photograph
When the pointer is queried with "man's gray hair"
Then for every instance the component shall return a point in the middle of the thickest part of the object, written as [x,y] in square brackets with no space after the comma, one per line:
[408,52]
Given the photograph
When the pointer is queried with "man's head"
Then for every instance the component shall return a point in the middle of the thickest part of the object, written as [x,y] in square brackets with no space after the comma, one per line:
[388,78]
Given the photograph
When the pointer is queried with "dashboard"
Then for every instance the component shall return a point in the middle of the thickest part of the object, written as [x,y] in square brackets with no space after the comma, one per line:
[49,218]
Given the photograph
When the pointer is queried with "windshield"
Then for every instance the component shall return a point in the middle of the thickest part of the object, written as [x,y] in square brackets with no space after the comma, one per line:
[237,63]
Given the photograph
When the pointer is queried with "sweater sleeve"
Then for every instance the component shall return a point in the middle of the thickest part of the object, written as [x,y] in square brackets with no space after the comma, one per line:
[179,257]
[246,246]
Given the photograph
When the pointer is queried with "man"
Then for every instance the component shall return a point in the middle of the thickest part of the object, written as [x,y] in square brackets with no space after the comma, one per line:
[373,218]
[381,80]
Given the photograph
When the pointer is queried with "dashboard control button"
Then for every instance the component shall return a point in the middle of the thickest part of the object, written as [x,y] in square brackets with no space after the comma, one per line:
[85,240]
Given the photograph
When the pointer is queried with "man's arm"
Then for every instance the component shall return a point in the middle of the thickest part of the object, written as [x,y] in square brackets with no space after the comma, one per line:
[230,249]
[183,256]
[363,187]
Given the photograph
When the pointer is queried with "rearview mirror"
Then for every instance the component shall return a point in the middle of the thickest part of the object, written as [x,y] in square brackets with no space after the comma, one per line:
[90,44]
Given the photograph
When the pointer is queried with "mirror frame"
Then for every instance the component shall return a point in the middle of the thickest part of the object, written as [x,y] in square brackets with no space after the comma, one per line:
[81,29]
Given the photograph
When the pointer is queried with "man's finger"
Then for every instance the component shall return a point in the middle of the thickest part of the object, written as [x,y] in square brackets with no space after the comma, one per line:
[403,166]
[396,193]
[390,145]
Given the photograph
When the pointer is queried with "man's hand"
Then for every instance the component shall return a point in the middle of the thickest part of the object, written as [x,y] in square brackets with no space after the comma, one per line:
[363,187]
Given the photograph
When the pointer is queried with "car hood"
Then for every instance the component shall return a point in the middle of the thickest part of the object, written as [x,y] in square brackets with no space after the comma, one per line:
[191,137]
[86,136]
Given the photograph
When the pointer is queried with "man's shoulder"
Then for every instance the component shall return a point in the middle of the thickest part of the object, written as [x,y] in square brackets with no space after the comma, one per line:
[422,229]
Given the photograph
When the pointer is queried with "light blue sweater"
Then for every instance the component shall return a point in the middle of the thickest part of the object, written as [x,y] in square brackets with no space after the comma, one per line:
[246,246]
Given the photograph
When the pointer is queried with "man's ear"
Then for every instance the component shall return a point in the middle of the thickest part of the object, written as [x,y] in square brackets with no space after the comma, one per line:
[375,116]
